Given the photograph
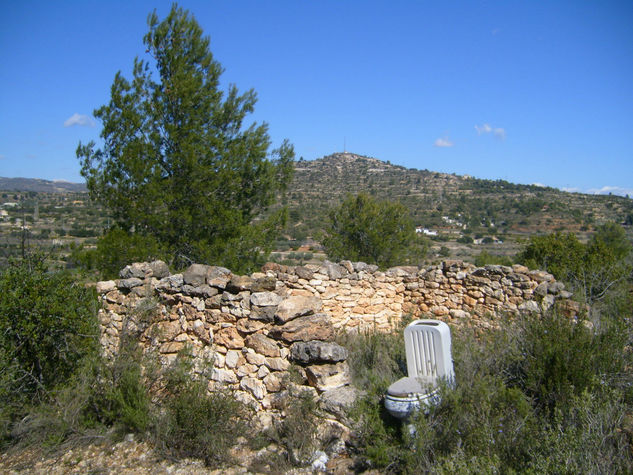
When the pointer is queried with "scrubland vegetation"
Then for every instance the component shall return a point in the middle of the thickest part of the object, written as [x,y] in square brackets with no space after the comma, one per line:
[188,182]
[546,395]
[539,394]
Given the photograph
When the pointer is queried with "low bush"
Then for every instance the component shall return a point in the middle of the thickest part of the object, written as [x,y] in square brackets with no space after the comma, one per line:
[296,432]
[539,395]
[48,326]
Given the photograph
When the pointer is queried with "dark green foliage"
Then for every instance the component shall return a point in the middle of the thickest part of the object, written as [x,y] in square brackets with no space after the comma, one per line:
[296,432]
[484,258]
[116,249]
[194,423]
[377,232]
[127,401]
[592,270]
[47,326]
[558,253]
[444,251]
[178,162]
[376,360]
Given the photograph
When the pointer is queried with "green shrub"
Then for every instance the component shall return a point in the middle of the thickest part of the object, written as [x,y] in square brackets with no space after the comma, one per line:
[485,258]
[48,326]
[296,432]
[195,423]
[117,248]
[375,359]
[200,425]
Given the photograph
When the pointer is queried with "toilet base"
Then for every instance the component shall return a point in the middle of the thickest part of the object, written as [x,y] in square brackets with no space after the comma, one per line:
[403,407]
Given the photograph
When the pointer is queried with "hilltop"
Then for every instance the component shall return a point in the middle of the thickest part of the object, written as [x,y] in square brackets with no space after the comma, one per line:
[447,203]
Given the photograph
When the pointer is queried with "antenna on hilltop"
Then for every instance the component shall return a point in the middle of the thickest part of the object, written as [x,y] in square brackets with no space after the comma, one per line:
[344,144]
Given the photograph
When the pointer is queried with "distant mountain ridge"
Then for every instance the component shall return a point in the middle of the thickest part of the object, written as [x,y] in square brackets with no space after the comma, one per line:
[39,185]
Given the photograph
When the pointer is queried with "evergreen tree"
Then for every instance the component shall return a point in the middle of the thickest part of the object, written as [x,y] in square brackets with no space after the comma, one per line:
[177,161]
[376,232]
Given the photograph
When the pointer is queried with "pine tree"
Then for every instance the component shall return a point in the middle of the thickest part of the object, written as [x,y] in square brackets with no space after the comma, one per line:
[177,161]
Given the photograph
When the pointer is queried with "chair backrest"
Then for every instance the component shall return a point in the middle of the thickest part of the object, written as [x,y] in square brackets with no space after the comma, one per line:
[428,350]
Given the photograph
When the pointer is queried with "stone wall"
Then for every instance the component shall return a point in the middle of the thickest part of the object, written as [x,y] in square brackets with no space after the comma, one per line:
[245,332]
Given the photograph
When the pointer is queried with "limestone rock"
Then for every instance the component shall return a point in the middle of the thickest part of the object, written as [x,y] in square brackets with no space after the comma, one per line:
[239,283]
[254,386]
[231,359]
[195,275]
[158,269]
[311,327]
[203,290]
[255,359]
[138,269]
[106,286]
[223,376]
[277,364]
[349,267]
[328,376]
[297,306]
[230,338]
[542,289]
[362,267]
[171,347]
[246,325]
[333,271]
[264,284]
[172,283]
[265,299]
[530,306]
[129,283]
[218,277]
[303,272]
[338,401]
[266,314]
[262,345]
[282,399]
[273,382]
[317,352]
[206,335]
[164,331]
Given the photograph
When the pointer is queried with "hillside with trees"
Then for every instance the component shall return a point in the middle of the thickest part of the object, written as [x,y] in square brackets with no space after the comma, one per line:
[464,217]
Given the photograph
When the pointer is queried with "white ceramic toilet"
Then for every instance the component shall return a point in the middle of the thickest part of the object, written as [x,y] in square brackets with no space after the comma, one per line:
[428,352]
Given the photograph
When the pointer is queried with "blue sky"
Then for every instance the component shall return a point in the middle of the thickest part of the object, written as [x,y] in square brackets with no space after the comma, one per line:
[529,92]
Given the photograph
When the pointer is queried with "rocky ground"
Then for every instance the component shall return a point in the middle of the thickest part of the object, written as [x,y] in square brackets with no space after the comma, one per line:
[131,457]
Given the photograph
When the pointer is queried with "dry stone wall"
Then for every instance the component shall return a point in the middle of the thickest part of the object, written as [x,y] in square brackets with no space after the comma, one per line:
[270,334]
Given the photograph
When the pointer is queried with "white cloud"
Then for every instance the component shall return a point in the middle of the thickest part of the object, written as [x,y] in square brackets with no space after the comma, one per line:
[615,190]
[497,132]
[79,119]
[443,142]
[571,190]
[541,185]
[483,129]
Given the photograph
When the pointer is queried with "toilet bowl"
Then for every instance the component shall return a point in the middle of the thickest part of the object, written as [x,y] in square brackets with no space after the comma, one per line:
[408,395]
[428,353]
